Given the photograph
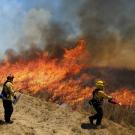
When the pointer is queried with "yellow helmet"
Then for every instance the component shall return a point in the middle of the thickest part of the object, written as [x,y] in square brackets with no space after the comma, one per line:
[100,84]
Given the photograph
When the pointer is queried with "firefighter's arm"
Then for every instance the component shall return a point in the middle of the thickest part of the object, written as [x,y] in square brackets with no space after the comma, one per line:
[104,95]
[10,88]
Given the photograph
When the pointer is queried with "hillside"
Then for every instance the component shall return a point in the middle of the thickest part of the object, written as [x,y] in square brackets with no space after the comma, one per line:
[33,116]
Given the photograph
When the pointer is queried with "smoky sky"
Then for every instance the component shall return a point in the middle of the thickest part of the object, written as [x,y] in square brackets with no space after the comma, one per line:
[100,18]
[106,25]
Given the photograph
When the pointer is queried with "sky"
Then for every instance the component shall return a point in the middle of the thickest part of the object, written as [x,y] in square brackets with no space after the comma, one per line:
[12,14]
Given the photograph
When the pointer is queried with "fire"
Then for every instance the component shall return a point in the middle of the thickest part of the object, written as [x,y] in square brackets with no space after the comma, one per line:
[63,78]
[125,97]
[49,74]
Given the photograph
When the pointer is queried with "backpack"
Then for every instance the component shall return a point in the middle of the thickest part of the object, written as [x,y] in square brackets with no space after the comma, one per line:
[4,93]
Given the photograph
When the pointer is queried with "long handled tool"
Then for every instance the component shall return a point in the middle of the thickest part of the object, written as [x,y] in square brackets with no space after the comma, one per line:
[15,100]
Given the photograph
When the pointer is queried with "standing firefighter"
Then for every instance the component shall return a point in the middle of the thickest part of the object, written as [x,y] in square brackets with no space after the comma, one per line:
[8,96]
[97,100]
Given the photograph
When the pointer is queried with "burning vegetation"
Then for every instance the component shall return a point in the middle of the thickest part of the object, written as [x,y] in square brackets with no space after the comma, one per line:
[66,79]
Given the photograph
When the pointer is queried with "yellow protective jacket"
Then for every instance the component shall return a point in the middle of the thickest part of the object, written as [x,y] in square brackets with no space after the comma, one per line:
[8,88]
[101,95]
[98,97]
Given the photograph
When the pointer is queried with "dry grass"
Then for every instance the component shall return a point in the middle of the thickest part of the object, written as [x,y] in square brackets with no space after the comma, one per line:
[120,114]
[116,113]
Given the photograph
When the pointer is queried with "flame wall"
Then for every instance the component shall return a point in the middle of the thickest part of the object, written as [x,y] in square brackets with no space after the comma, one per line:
[67,80]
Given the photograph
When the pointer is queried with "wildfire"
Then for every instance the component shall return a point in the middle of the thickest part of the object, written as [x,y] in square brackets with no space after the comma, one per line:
[63,78]
[125,97]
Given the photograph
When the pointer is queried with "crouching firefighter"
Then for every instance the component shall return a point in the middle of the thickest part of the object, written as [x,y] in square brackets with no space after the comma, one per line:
[8,94]
[97,100]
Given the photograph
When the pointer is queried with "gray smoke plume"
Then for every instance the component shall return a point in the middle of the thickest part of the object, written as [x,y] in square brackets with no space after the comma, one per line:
[108,26]
[42,32]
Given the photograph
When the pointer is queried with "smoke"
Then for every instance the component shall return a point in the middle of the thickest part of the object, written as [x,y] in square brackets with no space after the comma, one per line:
[39,33]
[34,24]
[42,32]
[108,26]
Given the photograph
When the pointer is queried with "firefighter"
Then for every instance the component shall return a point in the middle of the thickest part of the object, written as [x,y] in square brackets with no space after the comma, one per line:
[97,101]
[8,95]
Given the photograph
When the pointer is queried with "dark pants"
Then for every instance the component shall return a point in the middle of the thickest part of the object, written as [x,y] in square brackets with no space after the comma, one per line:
[99,115]
[8,109]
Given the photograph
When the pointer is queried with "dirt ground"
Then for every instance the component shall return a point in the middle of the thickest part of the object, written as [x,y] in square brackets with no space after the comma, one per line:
[33,116]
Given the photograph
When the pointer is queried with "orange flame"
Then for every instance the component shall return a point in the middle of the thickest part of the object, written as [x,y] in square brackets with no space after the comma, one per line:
[44,73]
[125,97]
[63,79]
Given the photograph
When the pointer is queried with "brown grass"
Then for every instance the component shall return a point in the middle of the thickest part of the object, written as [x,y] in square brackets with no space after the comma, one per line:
[120,114]
[115,113]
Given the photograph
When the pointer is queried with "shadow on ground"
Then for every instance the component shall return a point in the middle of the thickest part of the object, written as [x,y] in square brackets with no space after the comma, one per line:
[87,126]
[2,122]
